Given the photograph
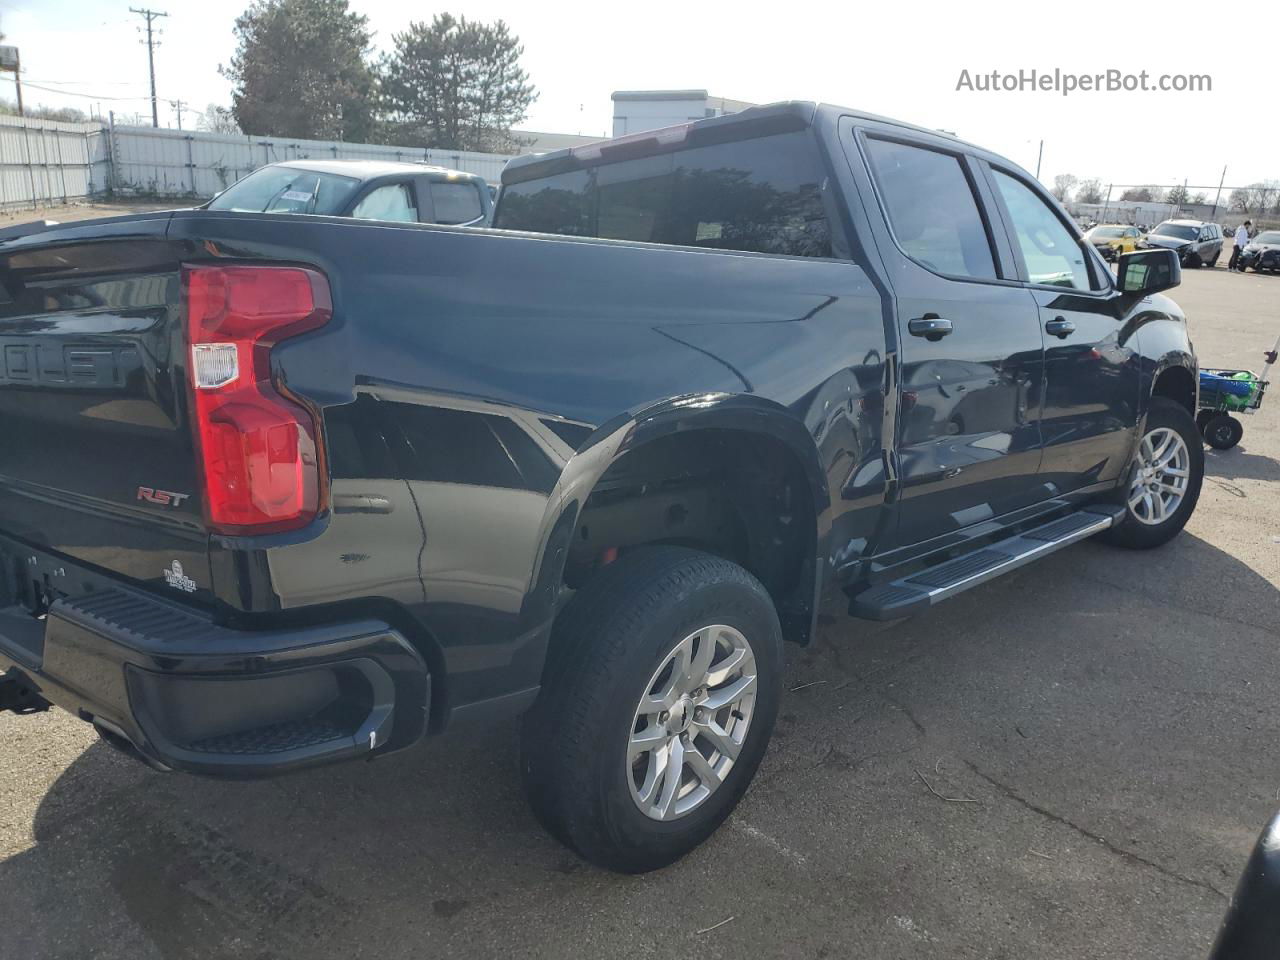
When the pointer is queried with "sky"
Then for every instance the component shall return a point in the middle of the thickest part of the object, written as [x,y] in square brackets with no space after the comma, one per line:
[902,60]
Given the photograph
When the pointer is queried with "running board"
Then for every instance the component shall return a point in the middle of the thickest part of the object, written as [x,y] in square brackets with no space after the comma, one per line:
[924,588]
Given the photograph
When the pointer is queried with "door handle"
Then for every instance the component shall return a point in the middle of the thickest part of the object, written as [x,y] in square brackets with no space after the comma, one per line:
[931,326]
[1060,328]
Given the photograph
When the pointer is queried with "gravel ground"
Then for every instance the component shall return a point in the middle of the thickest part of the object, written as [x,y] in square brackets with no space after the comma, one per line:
[1072,761]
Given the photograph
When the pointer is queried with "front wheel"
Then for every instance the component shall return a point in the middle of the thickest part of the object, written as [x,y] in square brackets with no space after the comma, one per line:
[659,698]
[1165,481]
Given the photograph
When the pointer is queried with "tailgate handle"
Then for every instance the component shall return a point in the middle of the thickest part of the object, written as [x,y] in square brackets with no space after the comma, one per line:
[360,503]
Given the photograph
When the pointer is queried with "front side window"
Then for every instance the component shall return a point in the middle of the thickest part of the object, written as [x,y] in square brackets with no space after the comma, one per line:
[392,202]
[1052,255]
[455,202]
[762,195]
[931,208]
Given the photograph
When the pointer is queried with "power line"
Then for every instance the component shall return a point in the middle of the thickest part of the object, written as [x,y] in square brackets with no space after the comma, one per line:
[76,93]
[149,16]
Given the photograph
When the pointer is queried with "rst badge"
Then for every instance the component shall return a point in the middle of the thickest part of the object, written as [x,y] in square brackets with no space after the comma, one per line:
[175,578]
[163,498]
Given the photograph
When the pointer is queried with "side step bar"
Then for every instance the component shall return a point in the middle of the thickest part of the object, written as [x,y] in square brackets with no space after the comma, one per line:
[924,588]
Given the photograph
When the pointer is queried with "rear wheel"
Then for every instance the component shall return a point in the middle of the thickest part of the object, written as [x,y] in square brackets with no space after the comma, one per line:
[658,703]
[1214,261]
[1165,481]
[1223,432]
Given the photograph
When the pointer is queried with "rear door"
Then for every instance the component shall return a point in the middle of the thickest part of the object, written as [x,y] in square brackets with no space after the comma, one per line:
[972,362]
[1091,365]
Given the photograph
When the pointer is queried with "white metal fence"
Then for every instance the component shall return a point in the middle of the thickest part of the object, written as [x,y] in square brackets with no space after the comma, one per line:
[43,162]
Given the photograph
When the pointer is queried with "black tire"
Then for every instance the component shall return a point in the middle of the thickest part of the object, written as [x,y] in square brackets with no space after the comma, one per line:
[1214,261]
[607,642]
[1223,432]
[1132,533]
[1203,417]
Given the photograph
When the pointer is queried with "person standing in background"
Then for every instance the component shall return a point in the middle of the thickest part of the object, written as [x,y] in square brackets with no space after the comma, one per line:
[1242,237]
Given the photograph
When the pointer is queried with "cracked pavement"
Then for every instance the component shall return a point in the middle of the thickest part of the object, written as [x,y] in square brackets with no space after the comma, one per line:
[1071,761]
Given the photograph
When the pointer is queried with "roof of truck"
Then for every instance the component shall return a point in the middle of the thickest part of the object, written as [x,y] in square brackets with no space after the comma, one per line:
[770,118]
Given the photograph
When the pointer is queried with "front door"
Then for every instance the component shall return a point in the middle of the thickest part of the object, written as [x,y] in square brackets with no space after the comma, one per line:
[971,354]
[1092,376]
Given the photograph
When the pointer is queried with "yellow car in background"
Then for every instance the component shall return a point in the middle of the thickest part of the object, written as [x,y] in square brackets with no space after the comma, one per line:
[1113,239]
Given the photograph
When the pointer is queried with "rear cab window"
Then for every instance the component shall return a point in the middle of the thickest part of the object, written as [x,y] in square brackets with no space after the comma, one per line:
[761,195]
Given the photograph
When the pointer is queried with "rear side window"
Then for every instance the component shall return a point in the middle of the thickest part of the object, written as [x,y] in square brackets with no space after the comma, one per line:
[762,195]
[1052,254]
[456,202]
[931,208]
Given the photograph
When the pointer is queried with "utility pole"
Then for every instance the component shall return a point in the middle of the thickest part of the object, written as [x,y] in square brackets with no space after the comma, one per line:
[1039,157]
[178,106]
[1218,195]
[10,60]
[149,16]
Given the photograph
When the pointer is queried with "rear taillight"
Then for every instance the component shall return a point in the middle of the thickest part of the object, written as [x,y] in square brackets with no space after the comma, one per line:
[258,449]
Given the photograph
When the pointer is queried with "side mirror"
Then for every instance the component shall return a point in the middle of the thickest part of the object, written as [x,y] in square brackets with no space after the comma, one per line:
[1251,928]
[1145,272]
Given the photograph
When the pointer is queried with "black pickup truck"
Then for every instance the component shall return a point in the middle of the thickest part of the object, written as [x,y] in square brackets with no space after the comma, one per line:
[283,490]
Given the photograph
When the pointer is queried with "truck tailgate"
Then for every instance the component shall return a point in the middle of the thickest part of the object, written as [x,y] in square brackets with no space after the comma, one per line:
[96,450]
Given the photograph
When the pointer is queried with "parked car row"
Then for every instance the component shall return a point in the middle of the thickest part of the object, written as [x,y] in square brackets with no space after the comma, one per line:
[1197,243]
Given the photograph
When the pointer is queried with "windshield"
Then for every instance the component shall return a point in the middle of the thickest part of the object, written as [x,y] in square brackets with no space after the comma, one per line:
[287,190]
[1271,236]
[1181,231]
[1105,233]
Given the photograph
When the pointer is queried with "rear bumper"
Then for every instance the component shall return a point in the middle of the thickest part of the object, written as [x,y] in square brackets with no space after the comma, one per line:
[186,694]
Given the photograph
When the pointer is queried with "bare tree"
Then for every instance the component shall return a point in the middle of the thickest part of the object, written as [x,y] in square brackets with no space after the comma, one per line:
[1062,185]
[216,119]
[1139,194]
[1091,191]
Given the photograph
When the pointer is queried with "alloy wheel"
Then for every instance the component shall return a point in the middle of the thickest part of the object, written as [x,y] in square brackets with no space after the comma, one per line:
[1160,477]
[691,722]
